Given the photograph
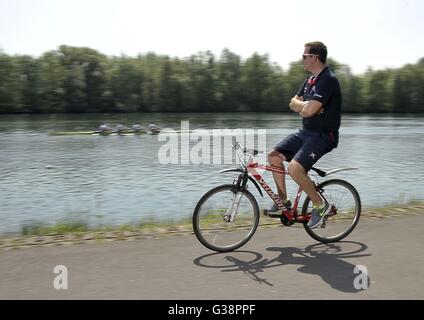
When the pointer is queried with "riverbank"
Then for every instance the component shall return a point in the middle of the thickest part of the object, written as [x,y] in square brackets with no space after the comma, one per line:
[62,235]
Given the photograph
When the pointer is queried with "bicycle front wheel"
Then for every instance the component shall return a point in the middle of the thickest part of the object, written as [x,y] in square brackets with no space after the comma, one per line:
[343,215]
[225,219]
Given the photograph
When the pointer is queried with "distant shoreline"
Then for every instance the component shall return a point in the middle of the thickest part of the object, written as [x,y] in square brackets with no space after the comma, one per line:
[83,80]
[203,112]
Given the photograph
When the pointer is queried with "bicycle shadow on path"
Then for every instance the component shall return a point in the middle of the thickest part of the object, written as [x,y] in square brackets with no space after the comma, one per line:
[324,260]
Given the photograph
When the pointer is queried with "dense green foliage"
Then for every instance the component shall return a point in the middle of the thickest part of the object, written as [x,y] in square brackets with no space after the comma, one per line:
[77,80]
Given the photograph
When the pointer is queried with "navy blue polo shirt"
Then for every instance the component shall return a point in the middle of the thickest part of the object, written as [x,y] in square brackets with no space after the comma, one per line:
[325,88]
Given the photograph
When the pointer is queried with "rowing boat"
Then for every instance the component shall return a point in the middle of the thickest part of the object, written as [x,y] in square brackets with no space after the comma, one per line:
[100,133]
[120,133]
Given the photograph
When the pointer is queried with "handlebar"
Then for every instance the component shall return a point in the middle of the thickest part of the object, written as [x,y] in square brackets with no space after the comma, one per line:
[254,152]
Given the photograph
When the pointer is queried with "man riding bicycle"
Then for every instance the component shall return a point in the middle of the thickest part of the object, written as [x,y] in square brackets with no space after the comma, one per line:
[318,102]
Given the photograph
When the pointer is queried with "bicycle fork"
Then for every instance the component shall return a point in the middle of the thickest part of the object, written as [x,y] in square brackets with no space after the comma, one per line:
[235,202]
[233,209]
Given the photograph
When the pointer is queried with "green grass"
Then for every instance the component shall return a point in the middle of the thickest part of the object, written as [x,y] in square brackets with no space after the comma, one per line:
[39,228]
[387,208]
[67,227]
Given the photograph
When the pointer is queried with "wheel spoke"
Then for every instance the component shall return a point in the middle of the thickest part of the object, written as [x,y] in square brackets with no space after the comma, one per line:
[224,220]
[345,199]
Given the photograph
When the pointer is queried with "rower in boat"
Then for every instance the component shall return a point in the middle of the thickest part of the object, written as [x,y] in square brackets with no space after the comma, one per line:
[104,128]
[153,128]
[120,128]
[138,129]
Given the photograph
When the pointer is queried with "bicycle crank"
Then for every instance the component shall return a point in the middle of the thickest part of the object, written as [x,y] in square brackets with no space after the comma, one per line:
[286,221]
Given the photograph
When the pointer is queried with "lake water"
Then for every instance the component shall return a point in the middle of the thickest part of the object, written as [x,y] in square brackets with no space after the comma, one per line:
[116,180]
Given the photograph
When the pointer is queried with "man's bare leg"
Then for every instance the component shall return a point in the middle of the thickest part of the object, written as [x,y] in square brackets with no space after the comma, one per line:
[276,159]
[299,175]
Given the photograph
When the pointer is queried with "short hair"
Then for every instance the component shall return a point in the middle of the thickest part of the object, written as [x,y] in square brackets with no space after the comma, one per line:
[318,48]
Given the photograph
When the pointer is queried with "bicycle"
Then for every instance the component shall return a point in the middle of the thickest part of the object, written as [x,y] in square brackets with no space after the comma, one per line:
[227,216]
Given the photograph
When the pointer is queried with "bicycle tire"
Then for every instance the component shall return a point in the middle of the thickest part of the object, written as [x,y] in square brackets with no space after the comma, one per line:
[342,215]
[207,226]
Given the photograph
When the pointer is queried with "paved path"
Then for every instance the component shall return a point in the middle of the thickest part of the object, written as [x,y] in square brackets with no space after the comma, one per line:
[278,263]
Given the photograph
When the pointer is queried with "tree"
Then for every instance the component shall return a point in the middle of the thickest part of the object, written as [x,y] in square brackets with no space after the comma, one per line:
[228,89]
[51,80]
[85,78]
[169,98]
[10,85]
[202,75]
[378,91]
[78,79]
[29,78]
[126,83]
[296,75]
[255,79]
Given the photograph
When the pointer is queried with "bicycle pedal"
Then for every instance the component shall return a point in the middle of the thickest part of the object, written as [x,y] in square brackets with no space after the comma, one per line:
[272,214]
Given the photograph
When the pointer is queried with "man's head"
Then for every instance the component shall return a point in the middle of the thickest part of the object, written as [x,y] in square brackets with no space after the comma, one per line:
[314,56]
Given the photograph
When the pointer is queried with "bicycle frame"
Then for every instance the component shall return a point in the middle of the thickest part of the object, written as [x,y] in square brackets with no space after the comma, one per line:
[290,215]
[248,170]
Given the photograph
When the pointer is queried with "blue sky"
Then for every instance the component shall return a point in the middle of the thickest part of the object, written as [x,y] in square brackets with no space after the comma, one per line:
[360,33]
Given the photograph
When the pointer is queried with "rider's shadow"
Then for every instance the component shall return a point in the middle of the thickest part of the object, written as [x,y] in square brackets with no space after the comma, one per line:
[329,264]
[324,260]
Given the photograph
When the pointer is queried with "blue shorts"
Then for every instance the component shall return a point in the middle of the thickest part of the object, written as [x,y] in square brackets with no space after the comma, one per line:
[307,147]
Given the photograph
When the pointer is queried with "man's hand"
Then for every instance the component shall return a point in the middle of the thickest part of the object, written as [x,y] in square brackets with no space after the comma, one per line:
[297,104]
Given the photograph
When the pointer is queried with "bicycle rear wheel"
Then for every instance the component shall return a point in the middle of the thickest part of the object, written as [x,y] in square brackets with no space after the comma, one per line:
[225,219]
[344,212]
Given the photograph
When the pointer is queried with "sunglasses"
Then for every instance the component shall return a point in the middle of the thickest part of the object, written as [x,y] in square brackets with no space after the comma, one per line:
[309,55]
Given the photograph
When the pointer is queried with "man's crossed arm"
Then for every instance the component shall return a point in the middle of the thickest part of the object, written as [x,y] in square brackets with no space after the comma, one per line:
[306,109]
